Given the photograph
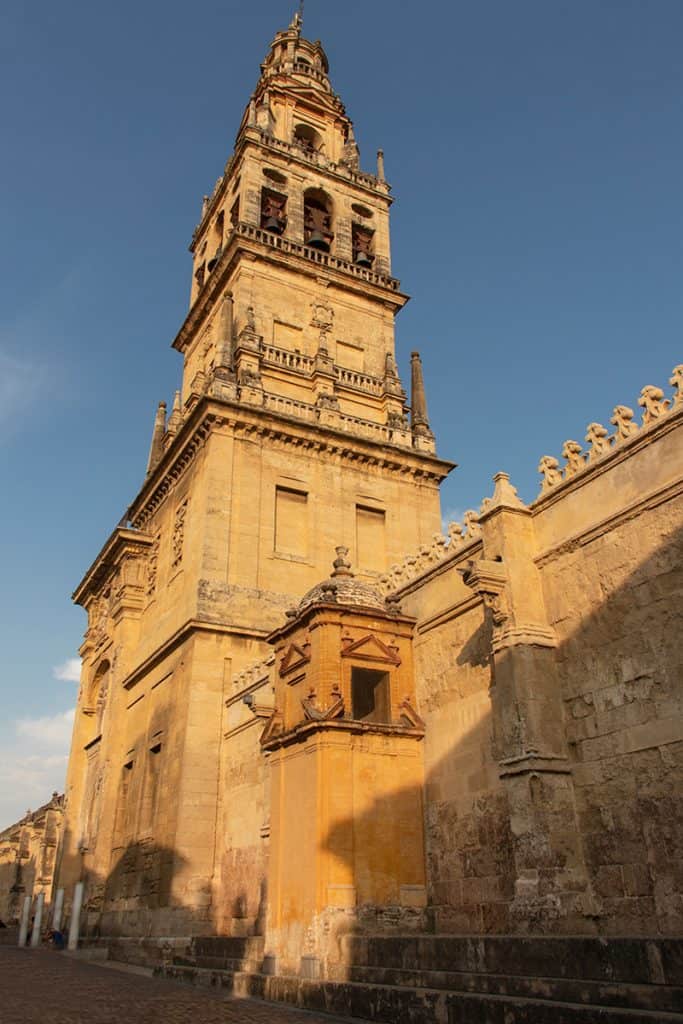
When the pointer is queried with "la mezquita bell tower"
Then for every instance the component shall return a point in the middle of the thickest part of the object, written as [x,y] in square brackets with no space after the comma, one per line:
[289,436]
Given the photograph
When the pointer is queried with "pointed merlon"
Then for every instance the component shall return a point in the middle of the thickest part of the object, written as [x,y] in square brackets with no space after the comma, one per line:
[176,417]
[418,402]
[157,446]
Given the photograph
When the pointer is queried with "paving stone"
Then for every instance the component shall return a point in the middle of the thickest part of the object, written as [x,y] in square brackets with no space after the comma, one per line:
[47,987]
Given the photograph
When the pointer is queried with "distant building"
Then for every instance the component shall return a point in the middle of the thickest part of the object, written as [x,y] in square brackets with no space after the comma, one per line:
[28,857]
[296,772]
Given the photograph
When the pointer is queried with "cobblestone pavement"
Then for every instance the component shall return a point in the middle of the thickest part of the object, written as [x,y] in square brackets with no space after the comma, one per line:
[47,987]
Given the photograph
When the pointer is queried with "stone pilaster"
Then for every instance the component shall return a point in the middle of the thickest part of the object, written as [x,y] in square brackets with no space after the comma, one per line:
[551,881]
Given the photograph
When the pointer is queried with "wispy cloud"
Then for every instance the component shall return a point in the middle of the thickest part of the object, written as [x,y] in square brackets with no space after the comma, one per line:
[28,781]
[33,760]
[51,730]
[69,671]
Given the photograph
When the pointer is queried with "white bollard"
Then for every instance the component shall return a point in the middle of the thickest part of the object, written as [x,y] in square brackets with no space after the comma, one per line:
[58,910]
[74,923]
[36,934]
[25,915]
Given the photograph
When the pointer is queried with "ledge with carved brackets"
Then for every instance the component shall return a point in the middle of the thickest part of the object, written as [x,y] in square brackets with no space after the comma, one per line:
[533,762]
[488,579]
[526,634]
[273,739]
[123,543]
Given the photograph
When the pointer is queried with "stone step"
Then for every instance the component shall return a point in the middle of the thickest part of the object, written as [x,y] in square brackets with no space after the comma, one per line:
[633,960]
[220,963]
[393,1004]
[233,947]
[489,1009]
[570,990]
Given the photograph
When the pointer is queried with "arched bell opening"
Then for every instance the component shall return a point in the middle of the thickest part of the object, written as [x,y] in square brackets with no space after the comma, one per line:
[273,211]
[318,233]
[362,243]
[216,241]
[308,138]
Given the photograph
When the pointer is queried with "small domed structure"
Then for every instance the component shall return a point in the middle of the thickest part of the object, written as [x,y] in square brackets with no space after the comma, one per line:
[342,587]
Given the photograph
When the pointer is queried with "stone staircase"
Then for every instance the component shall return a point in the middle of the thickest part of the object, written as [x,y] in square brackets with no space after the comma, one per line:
[446,979]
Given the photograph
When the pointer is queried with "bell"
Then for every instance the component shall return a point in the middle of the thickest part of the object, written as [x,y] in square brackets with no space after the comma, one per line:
[272,224]
[318,241]
[362,259]
[214,259]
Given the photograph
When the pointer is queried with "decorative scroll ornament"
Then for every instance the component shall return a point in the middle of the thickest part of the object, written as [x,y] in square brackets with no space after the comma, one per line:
[455,534]
[653,403]
[573,453]
[550,468]
[622,418]
[471,524]
[597,437]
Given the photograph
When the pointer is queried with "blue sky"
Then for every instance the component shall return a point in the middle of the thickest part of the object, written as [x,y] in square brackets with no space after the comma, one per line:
[535,154]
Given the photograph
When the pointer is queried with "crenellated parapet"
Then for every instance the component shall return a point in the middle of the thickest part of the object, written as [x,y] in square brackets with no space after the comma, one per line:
[460,536]
[254,675]
[601,442]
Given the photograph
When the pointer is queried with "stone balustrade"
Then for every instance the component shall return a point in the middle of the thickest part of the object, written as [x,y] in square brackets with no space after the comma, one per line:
[297,362]
[601,443]
[319,160]
[287,359]
[359,381]
[290,407]
[324,259]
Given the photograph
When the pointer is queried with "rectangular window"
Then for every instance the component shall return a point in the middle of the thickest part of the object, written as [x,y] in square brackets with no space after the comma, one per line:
[291,522]
[370,695]
[370,541]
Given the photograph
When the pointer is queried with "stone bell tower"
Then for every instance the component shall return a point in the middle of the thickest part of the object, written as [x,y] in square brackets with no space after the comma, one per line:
[289,436]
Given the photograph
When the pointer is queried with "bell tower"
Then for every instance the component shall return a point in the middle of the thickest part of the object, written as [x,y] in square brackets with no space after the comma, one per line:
[292,300]
[288,437]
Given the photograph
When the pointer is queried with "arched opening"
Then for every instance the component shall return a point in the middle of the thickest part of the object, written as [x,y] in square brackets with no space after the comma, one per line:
[217,241]
[318,233]
[362,244]
[273,211]
[308,138]
[98,692]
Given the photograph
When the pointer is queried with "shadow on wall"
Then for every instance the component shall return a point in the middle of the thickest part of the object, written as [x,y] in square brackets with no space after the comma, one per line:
[620,669]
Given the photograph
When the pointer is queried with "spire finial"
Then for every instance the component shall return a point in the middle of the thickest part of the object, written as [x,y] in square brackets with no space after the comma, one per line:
[156,449]
[298,19]
[418,401]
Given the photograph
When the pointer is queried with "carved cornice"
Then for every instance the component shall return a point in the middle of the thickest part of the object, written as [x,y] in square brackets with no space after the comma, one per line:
[210,413]
[303,730]
[123,542]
